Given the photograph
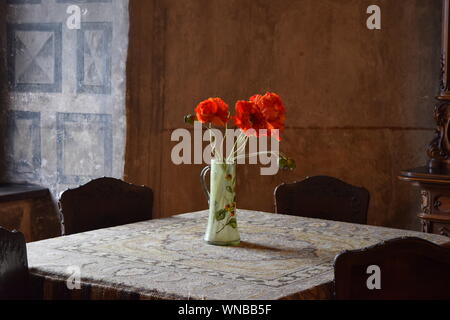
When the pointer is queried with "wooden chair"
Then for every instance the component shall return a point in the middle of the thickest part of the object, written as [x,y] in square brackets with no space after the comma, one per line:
[410,269]
[14,276]
[323,197]
[104,203]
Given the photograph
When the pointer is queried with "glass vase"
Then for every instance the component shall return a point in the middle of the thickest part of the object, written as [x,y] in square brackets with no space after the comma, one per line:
[222,229]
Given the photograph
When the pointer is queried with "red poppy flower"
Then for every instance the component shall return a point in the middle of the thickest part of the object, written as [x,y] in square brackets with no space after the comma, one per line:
[261,112]
[272,109]
[213,110]
[249,116]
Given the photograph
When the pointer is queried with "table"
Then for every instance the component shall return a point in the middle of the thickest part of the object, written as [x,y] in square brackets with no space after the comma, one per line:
[281,257]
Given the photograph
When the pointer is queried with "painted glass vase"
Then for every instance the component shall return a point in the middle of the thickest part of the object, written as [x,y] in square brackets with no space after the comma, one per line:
[222,229]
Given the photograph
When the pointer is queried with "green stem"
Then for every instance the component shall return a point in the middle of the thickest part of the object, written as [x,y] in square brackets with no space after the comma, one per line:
[242,137]
[257,154]
[241,147]
[224,226]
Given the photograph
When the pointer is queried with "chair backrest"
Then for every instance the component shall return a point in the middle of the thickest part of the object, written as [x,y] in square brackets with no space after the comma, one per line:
[323,197]
[409,269]
[104,203]
[14,276]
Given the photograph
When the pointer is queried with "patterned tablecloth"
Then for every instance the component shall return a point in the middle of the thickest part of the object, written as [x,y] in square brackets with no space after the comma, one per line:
[281,257]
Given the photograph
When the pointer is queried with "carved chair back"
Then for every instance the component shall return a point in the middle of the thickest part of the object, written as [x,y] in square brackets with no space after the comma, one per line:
[104,203]
[399,269]
[14,277]
[323,197]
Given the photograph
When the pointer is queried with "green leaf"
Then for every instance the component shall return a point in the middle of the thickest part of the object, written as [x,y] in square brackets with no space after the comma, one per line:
[233,223]
[229,189]
[282,163]
[291,164]
[221,214]
[190,119]
[287,164]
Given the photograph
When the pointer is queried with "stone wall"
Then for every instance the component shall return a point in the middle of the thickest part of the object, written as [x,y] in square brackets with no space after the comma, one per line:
[63,114]
[359,102]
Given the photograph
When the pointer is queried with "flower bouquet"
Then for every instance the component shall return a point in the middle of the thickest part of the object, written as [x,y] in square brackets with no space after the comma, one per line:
[262,116]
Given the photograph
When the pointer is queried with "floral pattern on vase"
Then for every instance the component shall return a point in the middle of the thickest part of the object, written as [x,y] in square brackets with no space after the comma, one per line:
[222,226]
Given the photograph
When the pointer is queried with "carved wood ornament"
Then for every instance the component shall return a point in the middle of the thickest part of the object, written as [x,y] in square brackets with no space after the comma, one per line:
[434,178]
[425,204]
[439,148]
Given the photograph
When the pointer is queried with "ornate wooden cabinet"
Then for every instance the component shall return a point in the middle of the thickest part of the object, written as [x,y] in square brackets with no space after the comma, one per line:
[435,198]
[434,178]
